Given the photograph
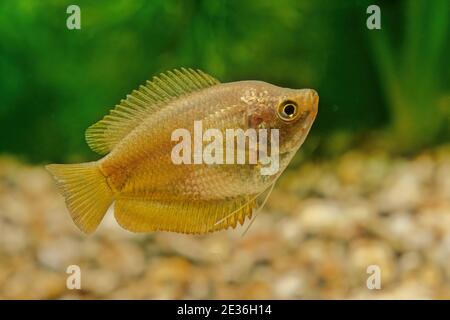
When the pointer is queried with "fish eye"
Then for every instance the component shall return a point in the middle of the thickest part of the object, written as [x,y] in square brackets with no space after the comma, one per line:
[288,110]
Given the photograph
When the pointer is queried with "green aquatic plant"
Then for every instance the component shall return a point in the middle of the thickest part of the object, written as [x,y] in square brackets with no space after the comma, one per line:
[54,82]
[412,71]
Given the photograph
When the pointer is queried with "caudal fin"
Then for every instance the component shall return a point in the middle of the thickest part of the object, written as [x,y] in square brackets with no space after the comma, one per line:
[86,191]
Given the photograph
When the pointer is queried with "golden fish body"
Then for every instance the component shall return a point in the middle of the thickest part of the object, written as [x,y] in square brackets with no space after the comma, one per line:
[151,191]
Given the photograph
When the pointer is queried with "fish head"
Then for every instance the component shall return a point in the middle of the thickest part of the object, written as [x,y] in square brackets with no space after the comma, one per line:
[295,112]
[291,111]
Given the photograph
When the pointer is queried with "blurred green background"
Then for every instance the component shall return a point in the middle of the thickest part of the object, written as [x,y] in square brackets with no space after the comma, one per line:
[390,87]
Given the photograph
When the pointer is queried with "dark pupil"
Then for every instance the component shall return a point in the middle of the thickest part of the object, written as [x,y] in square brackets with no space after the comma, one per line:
[289,109]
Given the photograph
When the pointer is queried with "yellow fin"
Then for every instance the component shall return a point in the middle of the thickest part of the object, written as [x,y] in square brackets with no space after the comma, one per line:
[105,134]
[140,215]
[86,192]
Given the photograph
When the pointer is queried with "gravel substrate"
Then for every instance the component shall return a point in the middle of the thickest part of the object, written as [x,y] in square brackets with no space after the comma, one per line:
[323,226]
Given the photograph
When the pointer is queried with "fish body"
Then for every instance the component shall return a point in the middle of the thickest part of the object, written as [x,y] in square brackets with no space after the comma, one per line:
[150,190]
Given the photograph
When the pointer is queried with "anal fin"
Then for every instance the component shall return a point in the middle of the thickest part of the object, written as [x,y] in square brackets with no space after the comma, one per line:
[142,215]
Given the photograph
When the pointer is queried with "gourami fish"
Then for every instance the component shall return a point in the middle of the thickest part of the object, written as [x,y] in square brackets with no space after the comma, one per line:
[150,190]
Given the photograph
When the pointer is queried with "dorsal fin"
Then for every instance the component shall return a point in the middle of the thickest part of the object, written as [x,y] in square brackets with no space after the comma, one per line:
[105,134]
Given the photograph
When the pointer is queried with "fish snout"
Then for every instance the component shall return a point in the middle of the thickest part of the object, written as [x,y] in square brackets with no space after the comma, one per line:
[313,97]
[309,101]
